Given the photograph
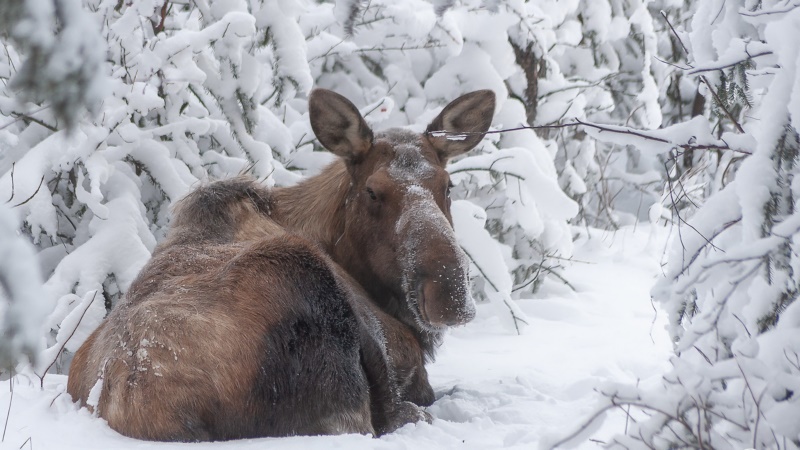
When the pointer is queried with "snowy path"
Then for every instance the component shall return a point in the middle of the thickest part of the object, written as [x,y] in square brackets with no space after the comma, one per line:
[495,389]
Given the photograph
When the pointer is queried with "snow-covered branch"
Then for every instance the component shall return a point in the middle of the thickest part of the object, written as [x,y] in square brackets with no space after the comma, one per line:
[731,282]
[63,56]
[23,304]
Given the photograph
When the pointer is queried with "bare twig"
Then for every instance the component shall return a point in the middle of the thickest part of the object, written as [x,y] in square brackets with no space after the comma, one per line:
[756,402]
[18,117]
[770,11]
[32,195]
[597,126]
[560,277]
[64,344]
[10,400]
[514,316]
[164,9]
[680,41]
[682,220]
[725,66]
[54,399]
[743,325]
[796,362]
[724,228]
[510,309]
[13,165]
[401,48]
[34,120]
[373,109]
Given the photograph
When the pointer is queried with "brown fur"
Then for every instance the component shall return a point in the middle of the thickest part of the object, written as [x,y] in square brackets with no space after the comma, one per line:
[309,309]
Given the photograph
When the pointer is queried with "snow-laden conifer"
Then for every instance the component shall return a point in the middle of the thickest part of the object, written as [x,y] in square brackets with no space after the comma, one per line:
[731,281]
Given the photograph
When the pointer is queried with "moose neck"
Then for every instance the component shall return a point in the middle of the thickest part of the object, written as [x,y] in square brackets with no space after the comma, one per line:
[314,208]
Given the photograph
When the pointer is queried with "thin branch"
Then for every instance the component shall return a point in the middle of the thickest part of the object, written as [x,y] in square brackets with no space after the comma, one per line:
[560,277]
[600,127]
[64,344]
[743,325]
[510,309]
[724,228]
[41,182]
[164,9]
[514,316]
[770,11]
[796,362]
[13,164]
[756,401]
[401,48]
[711,69]
[18,117]
[373,109]
[35,120]
[52,402]
[10,400]
[680,41]
[672,64]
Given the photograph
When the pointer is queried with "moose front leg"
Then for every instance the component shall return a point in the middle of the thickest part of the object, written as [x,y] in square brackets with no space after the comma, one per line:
[417,389]
[408,363]
[390,410]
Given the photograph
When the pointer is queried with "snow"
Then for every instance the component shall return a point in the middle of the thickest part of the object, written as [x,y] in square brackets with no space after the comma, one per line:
[23,305]
[221,89]
[290,45]
[94,395]
[470,221]
[494,388]
[65,54]
[69,335]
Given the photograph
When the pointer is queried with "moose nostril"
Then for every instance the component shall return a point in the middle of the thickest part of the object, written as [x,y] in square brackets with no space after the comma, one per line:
[445,304]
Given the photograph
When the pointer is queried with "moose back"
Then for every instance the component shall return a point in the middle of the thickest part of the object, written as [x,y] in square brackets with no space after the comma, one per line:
[309,309]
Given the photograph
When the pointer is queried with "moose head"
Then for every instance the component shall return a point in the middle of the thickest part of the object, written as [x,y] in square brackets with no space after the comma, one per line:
[397,238]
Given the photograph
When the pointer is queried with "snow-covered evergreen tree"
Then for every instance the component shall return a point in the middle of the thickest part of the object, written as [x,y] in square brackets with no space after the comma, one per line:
[23,305]
[62,57]
[62,64]
[731,281]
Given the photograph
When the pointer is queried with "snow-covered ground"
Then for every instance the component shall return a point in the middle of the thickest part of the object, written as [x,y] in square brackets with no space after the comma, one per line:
[495,389]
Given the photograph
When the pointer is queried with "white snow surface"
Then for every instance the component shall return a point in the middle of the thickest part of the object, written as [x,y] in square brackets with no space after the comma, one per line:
[494,389]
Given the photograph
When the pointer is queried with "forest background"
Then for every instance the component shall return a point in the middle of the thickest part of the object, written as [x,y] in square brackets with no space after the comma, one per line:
[681,113]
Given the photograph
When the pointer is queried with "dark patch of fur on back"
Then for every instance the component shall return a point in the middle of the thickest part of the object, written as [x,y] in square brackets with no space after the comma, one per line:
[209,214]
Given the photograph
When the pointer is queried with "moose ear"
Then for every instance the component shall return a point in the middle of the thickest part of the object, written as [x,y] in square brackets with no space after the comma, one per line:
[338,125]
[471,114]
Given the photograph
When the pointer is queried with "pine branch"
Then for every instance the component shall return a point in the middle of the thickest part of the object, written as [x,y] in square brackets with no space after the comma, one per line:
[705,80]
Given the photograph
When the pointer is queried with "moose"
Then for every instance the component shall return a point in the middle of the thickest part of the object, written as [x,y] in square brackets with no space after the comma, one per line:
[301,310]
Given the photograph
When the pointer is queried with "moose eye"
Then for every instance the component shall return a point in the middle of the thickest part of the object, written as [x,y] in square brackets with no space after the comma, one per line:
[372,194]
[449,186]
